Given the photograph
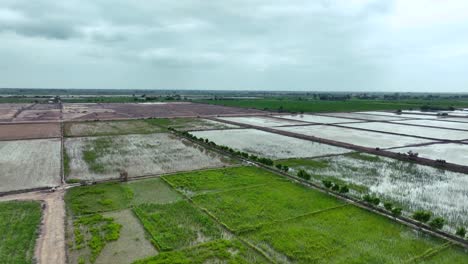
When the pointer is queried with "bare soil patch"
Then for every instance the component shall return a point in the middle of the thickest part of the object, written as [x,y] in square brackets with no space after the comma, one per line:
[29,131]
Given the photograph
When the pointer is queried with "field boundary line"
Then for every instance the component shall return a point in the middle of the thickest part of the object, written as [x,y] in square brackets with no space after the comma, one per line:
[221,224]
[430,252]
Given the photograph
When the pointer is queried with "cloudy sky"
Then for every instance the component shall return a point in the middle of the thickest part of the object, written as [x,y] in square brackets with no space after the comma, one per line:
[326,45]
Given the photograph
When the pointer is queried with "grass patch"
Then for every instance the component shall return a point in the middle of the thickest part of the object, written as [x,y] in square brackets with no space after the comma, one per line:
[344,234]
[66,163]
[93,232]
[200,182]
[219,251]
[95,149]
[310,163]
[115,196]
[176,225]
[19,222]
[364,157]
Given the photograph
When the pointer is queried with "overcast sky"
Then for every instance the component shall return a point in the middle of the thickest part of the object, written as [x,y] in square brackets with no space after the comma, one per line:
[326,45]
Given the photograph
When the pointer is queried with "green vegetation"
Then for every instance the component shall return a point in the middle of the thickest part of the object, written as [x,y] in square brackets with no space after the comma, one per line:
[303,174]
[219,251]
[93,232]
[66,163]
[116,196]
[108,128]
[19,222]
[437,223]
[364,157]
[461,232]
[308,163]
[97,148]
[422,216]
[304,105]
[176,225]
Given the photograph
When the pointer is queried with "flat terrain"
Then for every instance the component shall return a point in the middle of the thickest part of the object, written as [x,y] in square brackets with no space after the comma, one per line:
[454,153]
[261,121]
[265,144]
[27,164]
[19,224]
[29,131]
[319,119]
[365,116]
[411,186]
[105,128]
[443,123]
[96,158]
[354,136]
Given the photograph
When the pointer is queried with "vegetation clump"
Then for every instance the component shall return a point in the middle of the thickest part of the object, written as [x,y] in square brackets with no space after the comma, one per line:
[303,174]
[437,223]
[422,216]
[461,232]
[371,199]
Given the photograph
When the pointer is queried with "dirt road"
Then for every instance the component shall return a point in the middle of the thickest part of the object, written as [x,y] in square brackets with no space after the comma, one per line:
[50,246]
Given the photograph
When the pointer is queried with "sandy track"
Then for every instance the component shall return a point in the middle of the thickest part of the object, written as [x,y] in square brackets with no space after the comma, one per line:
[50,246]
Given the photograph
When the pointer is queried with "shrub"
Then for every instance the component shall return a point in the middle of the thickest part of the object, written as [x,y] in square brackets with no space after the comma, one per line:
[266,161]
[396,211]
[279,166]
[335,187]
[285,168]
[371,199]
[388,206]
[303,174]
[437,223]
[327,184]
[422,216]
[344,189]
[461,231]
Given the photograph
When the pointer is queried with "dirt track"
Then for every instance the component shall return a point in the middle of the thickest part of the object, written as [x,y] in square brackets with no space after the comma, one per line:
[50,246]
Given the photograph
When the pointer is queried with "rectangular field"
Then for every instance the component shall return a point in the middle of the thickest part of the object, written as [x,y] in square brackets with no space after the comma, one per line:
[96,158]
[267,144]
[427,132]
[363,116]
[294,224]
[104,128]
[29,131]
[443,123]
[19,229]
[453,153]
[409,185]
[403,115]
[262,121]
[355,137]
[319,119]
[27,164]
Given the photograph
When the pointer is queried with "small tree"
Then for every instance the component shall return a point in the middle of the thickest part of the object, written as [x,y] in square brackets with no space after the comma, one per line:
[461,232]
[327,184]
[123,176]
[422,216]
[335,187]
[285,168]
[371,199]
[303,174]
[396,211]
[279,166]
[437,223]
[388,206]
[344,189]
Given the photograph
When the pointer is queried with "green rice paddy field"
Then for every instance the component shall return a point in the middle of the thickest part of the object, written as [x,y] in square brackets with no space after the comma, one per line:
[242,215]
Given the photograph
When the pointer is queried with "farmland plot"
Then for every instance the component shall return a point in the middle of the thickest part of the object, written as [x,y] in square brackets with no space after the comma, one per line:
[427,132]
[453,153]
[293,224]
[362,116]
[103,157]
[103,128]
[436,123]
[390,114]
[267,144]
[319,119]
[27,164]
[19,224]
[261,121]
[188,124]
[29,131]
[412,186]
[355,137]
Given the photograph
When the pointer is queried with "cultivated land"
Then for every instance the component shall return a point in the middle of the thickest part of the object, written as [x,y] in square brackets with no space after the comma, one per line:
[354,136]
[319,119]
[27,164]
[29,131]
[262,121]
[19,224]
[97,158]
[411,186]
[452,152]
[427,132]
[436,123]
[267,144]
[236,214]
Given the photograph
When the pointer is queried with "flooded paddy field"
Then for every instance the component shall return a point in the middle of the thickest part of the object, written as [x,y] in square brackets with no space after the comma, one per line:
[270,145]
[363,116]
[442,123]
[452,152]
[27,164]
[319,119]
[97,158]
[401,115]
[29,131]
[428,132]
[354,136]
[262,121]
[411,186]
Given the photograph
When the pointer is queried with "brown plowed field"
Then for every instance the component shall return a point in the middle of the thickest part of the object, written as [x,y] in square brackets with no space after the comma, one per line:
[29,131]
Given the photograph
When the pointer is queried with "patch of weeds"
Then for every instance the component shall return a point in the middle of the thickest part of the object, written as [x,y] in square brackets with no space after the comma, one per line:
[364,157]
